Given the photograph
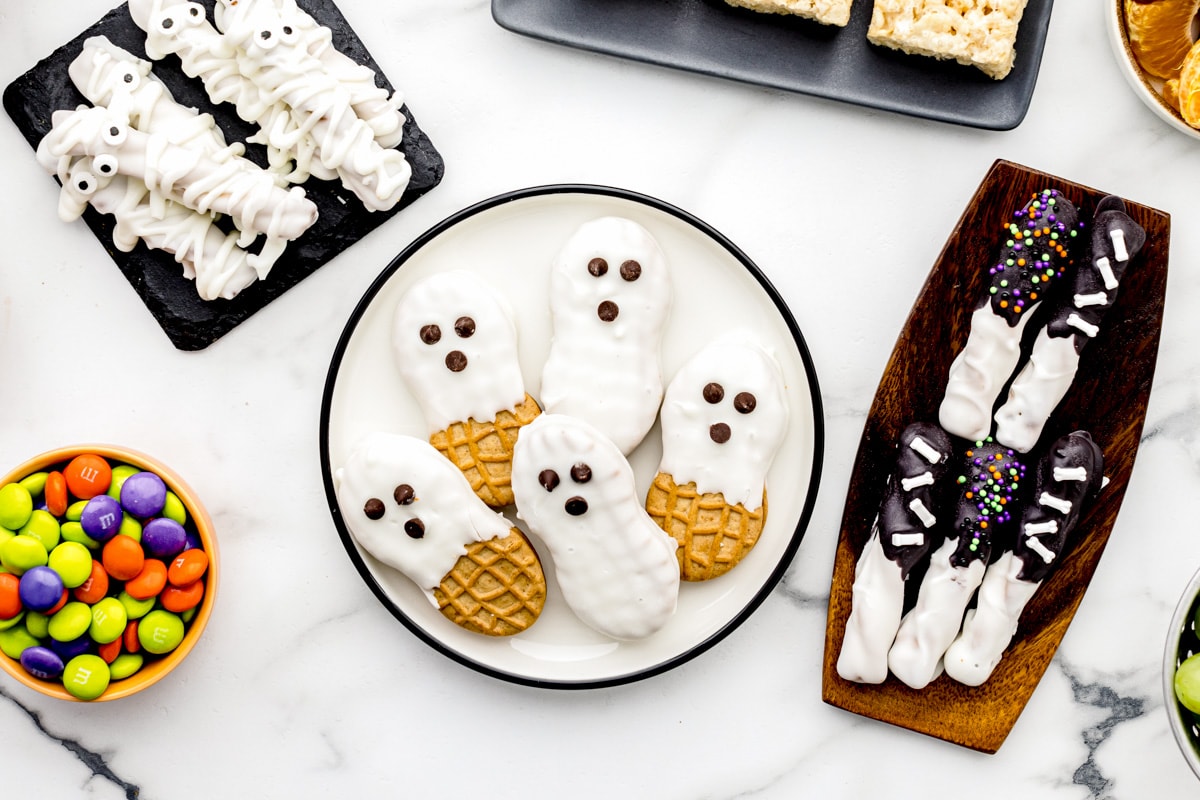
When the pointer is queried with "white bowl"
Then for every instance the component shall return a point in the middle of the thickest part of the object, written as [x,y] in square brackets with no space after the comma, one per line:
[1183,640]
[1144,86]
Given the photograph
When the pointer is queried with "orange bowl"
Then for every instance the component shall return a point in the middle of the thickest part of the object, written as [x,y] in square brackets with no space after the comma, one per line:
[154,669]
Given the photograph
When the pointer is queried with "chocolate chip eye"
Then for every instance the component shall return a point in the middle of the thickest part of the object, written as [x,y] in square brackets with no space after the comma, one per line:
[404,494]
[575,506]
[607,311]
[597,267]
[719,433]
[414,528]
[287,29]
[264,35]
[631,270]
[548,478]
[714,393]
[431,334]
[464,327]
[744,403]
[373,508]
[167,24]
[456,361]
[581,473]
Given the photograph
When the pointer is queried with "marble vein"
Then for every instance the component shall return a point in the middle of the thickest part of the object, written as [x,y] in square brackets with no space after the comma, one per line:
[1120,709]
[92,760]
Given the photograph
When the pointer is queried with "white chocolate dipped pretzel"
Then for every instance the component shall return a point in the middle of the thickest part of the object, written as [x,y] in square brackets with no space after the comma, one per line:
[112,77]
[1033,256]
[181,28]
[371,102]
[1054,359]
[272,54]
[208,255]
[235,187]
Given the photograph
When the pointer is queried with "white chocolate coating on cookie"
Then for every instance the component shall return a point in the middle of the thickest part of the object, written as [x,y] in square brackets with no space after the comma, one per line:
[931,626]
[978,373]
[989,627]
[604,363]
[424,537]
[617,570]
[878,601]
[723,417]
[455,345]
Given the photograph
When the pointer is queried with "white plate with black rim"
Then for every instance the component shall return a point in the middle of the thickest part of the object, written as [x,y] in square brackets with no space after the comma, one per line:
[509,241]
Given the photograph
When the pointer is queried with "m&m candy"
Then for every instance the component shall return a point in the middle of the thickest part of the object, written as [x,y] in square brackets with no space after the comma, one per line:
[101,571]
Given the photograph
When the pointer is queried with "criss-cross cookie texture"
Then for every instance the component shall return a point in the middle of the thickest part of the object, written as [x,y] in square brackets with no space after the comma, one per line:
[498,588]
[713,536]
[483,450]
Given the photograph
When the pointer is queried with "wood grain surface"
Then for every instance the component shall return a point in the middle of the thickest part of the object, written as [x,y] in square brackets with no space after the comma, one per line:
[1108,398]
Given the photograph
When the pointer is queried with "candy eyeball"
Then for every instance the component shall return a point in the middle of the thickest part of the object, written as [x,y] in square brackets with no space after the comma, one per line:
[85,183]
[106,164]
[289,33]
[266,39]
[126,78]
[115,134]
[193,14]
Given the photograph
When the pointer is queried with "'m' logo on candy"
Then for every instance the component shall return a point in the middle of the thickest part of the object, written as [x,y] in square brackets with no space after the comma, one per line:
[89,474]
[107,520]
[82,676]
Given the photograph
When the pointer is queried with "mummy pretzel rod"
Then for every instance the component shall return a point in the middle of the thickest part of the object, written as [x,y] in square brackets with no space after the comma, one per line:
[208,255]
[263,61]
[234,186]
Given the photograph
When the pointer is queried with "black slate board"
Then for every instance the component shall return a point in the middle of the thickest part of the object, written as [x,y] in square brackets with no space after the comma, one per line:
[189,322]
[790,53]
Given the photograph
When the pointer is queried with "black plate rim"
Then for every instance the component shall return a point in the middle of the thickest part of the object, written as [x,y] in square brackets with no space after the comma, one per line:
[781,306]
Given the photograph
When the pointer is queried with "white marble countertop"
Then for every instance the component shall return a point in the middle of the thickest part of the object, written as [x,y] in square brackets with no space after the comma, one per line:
[305,686]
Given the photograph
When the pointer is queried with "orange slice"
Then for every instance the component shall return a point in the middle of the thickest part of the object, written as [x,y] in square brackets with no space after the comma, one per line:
[1189,88]
[1160,33]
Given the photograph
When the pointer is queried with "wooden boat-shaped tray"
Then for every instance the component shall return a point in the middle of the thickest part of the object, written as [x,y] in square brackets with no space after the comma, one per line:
[1108,398]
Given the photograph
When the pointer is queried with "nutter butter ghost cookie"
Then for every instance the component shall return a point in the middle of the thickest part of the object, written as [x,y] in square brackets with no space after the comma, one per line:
[609,299]
[990,487]
[575,490]
[455,345]
[904,532]
[413,510]
[1069,476]
[1034,256]
[723,418]
[1075,321]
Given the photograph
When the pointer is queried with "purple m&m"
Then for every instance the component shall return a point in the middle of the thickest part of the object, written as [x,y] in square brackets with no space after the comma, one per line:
[101,518]
[68,650]
[143,494]
[40,588]
[42,662]
[163,538]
